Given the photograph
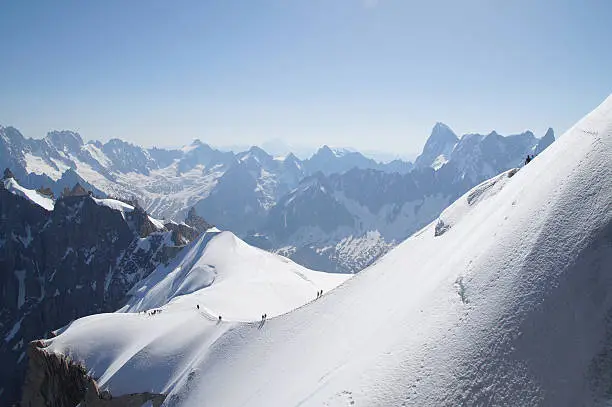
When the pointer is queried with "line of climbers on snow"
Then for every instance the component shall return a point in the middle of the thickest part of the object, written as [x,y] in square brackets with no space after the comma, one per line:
[264,317]
[152,312]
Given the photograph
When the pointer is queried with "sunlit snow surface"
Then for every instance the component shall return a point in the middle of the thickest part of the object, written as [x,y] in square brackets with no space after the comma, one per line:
[510,306]
[227,277]
[41,200]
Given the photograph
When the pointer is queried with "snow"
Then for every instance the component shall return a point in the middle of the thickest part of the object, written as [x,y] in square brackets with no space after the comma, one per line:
[439,161]
[218,272]
[114,204]
[159,225]
[37,165]
[124,208]
[97,154]
[510,306]
[43,201]
[219,266]
[20,276]
[11,334]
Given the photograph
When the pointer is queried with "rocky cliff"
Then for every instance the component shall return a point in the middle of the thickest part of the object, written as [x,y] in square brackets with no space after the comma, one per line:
[57,265]
[56,380]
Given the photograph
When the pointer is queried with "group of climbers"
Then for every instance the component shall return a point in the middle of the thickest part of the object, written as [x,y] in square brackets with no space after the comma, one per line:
[264,317]
[152,312]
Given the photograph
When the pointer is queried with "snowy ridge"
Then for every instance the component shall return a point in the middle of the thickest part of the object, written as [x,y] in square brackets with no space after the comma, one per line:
[216,275]
[31,195]
[508,307]
[227,277]
[124,208]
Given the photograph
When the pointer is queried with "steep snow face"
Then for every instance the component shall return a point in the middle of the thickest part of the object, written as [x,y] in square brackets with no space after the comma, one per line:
[33,196]
[510,306]
[227,277]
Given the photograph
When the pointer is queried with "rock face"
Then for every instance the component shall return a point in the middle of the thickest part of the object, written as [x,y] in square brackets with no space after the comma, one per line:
[438,147]
[56,266]
[55,380]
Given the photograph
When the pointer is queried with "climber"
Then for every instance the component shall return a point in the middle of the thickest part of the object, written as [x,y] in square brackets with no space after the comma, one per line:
[219,318]
[198,306]
[527,160]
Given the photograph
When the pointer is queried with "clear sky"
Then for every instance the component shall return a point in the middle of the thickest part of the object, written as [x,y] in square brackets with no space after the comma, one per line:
[371,74]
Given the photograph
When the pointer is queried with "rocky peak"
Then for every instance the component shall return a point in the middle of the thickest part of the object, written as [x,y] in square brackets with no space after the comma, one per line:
[65,140]
[8,173]
[438,146]
[545,141]
[12,136]
[324,152]
[196,221]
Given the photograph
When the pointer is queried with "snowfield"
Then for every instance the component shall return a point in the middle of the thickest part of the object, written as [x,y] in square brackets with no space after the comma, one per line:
[227,277]
[31,195]
[509,306]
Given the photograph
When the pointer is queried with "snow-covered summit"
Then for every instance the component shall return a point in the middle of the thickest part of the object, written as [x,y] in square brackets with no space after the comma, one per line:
[225,276]
[510,306]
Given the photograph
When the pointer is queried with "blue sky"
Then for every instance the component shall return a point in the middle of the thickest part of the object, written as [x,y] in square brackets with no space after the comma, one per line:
[363,73]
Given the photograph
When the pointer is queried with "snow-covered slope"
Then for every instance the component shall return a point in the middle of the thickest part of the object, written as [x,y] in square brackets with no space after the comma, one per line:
[216,275]
[227,277]
[510,306]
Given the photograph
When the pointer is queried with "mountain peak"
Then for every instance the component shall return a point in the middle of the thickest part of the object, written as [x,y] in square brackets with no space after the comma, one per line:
[258,150]
[550,133]
[325,150]
[440,126]
[442,132]
[545,141]
[440,143]
[65,139]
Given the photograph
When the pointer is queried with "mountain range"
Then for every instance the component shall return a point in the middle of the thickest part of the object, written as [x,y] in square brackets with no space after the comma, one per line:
[336,211]
[503,299]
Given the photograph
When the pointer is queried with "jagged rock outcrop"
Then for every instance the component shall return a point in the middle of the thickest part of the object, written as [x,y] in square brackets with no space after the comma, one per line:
[79,259]
[57,381]
[196,221]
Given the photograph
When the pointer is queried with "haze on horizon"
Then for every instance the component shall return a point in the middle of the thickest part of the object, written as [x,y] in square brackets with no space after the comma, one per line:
[367,74]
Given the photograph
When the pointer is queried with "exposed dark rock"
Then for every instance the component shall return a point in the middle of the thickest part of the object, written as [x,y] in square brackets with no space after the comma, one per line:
[57,381]
[196,221]
[79,259]
[8,173]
